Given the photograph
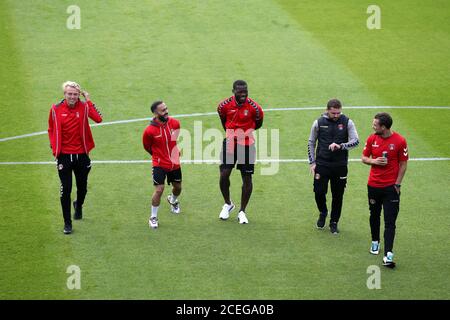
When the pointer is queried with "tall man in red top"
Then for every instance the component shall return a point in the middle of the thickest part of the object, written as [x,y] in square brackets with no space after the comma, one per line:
[160,140]
[240,116]
[71,141]
[387,153]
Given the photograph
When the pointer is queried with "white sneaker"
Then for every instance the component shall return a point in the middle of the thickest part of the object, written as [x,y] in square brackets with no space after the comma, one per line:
[174,206]
[242,218]
[375,247]
[153,222]
[388,260]
[226,209]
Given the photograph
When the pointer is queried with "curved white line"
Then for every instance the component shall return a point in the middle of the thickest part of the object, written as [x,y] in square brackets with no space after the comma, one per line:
[24,136]
[190,115]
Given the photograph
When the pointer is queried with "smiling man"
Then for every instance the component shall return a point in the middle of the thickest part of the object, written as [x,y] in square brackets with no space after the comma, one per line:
[160,140]
[240,116]
[387,154]
[71,141]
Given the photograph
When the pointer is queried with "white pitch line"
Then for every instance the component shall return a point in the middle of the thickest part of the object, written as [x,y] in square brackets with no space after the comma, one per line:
[24,136]
[196,161]
[190,115]
[359,107]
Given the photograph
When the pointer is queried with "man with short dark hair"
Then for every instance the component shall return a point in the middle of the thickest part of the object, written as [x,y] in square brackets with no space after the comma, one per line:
[387,154]
[240,116]
[334,134]
[160,140]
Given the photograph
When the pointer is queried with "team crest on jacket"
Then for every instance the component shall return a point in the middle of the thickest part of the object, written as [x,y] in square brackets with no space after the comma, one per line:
[340,126]
[391,146]
[317,176]
[245,112]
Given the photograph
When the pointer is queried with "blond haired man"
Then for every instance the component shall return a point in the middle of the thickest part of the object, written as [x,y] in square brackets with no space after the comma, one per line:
[71,141]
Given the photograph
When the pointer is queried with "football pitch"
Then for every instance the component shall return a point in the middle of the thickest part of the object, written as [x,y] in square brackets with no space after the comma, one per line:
[295,56]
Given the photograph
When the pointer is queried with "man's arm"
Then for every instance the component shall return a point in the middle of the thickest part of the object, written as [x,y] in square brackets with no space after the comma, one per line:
[353,139]
[402,162]
[380,161]
[258,123]
[50,126]
[176,131]
[352,142]
[93,112]
[312,146]
[367,155]
[366,160]
[222,114]
[223,121]
[259,117]
[401,172]
[147,141]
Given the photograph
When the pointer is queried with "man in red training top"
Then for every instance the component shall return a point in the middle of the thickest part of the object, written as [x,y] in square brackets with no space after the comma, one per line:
[160,140]
[387,153]
[240,116]
[71,141]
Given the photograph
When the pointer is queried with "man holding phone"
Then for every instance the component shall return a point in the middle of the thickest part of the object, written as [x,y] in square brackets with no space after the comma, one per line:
[387,154]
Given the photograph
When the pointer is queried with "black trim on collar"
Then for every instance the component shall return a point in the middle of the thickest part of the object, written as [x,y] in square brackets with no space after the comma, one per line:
[60,103]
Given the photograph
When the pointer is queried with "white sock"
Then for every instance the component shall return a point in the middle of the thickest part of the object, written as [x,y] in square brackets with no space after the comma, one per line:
[154,212]
[173,198]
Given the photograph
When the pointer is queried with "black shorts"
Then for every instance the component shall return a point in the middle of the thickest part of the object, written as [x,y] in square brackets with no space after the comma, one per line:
[244,156]
[159,176]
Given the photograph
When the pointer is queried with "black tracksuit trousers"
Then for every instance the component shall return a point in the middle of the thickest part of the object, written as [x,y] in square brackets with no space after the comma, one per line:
[80,164]
[388,199]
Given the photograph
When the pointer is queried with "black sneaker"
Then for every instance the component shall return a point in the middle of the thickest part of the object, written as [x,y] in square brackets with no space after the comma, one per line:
[321,221]
[333,228]
[388,260]
[78,215]
[67,228]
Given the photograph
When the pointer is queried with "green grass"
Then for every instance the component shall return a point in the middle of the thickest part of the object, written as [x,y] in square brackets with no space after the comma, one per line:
[292,54]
